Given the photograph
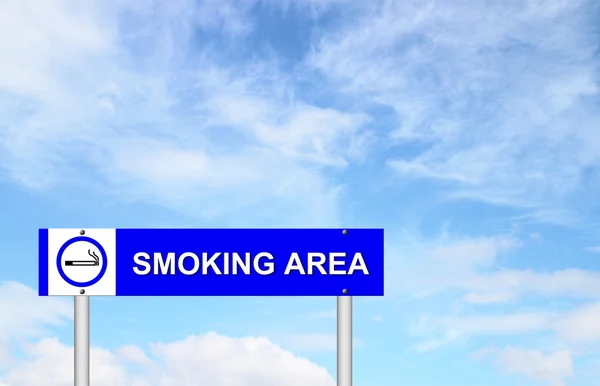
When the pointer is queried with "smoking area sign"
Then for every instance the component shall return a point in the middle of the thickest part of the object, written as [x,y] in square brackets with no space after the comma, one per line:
[211,262]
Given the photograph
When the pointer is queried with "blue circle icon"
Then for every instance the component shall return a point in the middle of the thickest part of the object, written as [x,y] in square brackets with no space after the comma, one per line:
[102,267]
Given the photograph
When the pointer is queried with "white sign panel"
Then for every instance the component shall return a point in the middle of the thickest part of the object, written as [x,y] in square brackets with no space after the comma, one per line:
[81,263]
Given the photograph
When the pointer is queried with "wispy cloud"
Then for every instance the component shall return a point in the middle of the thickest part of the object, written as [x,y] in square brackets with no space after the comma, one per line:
[119,99]
[25,315]
[489,297]
[469,297]
[502,97]
[150,99]
[191,106]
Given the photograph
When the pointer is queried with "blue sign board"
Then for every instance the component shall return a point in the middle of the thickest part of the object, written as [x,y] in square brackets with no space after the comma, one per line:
[211,262]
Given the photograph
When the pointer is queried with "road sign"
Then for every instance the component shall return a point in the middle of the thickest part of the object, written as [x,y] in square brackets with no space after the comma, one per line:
[211,262]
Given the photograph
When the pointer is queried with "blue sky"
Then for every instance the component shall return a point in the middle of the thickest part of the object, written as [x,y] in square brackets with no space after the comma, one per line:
[469,130]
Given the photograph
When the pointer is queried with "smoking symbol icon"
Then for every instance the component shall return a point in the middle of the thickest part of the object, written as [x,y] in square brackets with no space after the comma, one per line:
[84,263]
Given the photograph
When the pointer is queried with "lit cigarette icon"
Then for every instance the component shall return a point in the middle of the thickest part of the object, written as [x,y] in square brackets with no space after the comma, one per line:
[84,263]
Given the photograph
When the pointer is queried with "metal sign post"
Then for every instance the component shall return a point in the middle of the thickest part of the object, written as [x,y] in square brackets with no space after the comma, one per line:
[82,340]
[344,340]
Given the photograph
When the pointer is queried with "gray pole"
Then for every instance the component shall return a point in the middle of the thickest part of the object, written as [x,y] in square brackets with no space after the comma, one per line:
[344,341]
[82,341]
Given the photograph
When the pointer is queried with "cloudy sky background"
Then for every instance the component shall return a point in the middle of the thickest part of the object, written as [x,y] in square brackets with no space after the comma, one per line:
[469,130]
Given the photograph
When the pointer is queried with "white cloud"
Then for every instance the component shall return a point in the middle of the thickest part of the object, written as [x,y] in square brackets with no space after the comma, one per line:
[246,361]
[133,354]
[581,324]
[315,342]
[551,369]
[209,358]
